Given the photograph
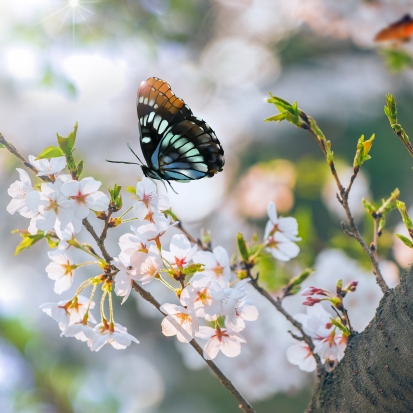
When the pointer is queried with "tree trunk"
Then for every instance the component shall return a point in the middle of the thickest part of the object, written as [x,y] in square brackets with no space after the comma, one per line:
[376,373]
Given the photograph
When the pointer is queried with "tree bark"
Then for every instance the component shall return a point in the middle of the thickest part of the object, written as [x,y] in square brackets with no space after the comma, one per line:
[376,372]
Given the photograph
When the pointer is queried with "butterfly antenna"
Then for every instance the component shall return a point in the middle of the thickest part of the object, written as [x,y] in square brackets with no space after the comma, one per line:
[134,153]
[171,187]
[128,163]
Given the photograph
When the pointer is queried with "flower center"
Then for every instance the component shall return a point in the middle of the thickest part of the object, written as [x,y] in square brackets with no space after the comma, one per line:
[272,243]
[53,205]
[80,198]
[218,270]
[183,318]
[203,296]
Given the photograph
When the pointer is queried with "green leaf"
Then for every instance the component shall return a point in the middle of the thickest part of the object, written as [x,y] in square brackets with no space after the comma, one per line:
[390,203]
[51,242]
[2,146]
[368,206]
[28,241]
[242,247]
[301,278]
[276,118]
[405,240]
[50,152]
[67,144]
[340,325]
[363,149]
[192,269]
[405,217]
[397,60]
[115,197]
[293,287]
[168,212]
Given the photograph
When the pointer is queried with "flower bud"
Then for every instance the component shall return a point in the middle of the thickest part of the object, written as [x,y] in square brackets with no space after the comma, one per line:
[310,301]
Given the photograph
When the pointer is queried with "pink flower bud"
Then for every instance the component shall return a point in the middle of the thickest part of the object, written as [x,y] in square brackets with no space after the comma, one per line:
[308,291]
[311,301]
[352,286]
[312,291]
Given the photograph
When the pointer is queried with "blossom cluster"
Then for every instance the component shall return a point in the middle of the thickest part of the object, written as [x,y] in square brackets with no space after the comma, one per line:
[212,292]
[60,204]
[212,302]
[329,341]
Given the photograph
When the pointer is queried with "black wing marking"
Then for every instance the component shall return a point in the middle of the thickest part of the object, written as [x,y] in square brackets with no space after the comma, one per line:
[189,150]
[158,108]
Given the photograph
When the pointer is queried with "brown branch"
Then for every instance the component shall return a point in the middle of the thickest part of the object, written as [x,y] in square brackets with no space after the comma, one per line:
[11,148]
[344,193]
[243,403]
[306,338]
[98,240]
[104,233]
[346,231]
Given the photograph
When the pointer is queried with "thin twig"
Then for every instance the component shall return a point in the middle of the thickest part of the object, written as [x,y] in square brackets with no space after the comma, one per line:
[244,405]
[97,239]
[344,194]
[299,338]
[376,237]
[11,148]
[306,338]
[346,231]
[194,240]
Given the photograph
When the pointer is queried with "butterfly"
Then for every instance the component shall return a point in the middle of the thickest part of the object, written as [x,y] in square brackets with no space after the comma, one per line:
[176,145]
[398,31]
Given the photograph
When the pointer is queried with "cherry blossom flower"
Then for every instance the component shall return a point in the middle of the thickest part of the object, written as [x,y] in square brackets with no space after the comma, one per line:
[48,167]
[123,279]
[280,247]
[60,270]
[179,322]
[225,340]
[149,201]
[317,322]
[279,235]
[216,265]
[145,266]
[203,296]
[329,343]
[114,334]
[86,196]
[154,230]
[80,330]
[18,191]
[331,347]
[130,243]
[52,206]
[245,311]
[231,299]
[181,252]
[68,312]
[300,355]
[288,226]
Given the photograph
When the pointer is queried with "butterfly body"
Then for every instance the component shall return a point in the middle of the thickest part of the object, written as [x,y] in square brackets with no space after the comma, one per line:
[177,145]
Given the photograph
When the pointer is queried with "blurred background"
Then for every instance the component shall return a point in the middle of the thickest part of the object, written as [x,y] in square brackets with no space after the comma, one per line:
[77,60]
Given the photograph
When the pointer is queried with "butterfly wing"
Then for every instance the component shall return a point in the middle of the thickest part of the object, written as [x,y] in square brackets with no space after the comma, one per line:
[158,108]
[176,145]
[189,150]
